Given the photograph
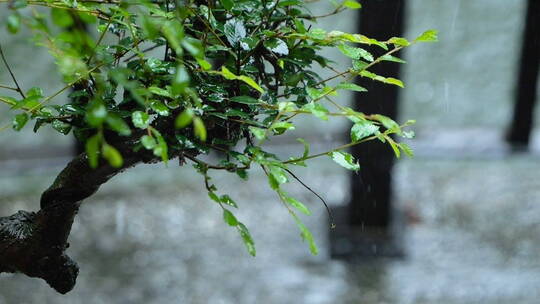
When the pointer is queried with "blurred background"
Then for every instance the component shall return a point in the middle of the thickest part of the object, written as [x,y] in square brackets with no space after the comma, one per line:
[468,227]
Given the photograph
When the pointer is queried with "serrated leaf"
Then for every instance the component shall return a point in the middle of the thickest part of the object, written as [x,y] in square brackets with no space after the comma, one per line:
[362,129]
[277,46]
[355,52]
[345,160]
[234,30]
[406,149]
[428,36]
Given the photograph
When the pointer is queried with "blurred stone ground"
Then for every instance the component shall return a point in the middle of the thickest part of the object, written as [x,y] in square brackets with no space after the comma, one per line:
[152,236]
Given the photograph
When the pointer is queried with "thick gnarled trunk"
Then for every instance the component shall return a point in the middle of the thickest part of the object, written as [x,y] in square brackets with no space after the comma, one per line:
[34,243]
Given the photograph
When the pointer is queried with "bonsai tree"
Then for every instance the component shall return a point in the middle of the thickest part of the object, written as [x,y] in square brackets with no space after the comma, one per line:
[157,80]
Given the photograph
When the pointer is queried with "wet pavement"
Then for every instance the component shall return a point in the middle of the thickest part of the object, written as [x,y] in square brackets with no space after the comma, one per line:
[152,236]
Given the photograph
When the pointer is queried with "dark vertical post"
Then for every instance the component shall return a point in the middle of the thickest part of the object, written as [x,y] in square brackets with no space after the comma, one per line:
[371,188]
[520,129]
[364,226]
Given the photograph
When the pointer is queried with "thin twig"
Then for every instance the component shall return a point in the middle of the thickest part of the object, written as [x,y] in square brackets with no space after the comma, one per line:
[332,223]
[11,73]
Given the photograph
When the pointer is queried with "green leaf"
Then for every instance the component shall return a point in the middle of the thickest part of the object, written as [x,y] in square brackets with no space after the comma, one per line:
[306,147]
[161,149]
[355,53]
[116,123]
[345,160]
[306,235]
[352,4]
[399,41]
[225,199]
[234,30]
[394,146]
[160,108]
[148,142]
[184,119]
[199,128]
[19,121]
[279,174]
[227,74]
[13,23]
[362,129]
[140,119]
[351,87]
[428,36]
[229,218]
[281,127]
[395,81]
[112,155]
[245,100]
[61,17]
[61,126]
[246,237]
[317,109]
[159,91]
[393,59]
[277,46]
[296,204]
[181,80]
[227,4]
[387,122]
[92,148]
[406,149]
[96,113]
[251,83]
[258,132]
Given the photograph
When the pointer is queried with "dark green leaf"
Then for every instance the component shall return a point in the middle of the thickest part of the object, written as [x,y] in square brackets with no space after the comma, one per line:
[19,121]
[229,218]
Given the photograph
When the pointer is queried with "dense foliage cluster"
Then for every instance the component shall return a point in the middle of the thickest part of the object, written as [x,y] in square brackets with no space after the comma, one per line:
[186,78]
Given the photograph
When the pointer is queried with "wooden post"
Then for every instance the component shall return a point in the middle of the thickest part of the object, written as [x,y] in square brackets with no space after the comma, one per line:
[522,121]
[364,227]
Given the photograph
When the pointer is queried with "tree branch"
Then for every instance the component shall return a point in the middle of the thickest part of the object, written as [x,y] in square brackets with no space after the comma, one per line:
[34,243]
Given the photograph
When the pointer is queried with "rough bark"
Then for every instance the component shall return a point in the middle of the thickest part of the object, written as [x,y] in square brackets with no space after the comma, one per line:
[34,243]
